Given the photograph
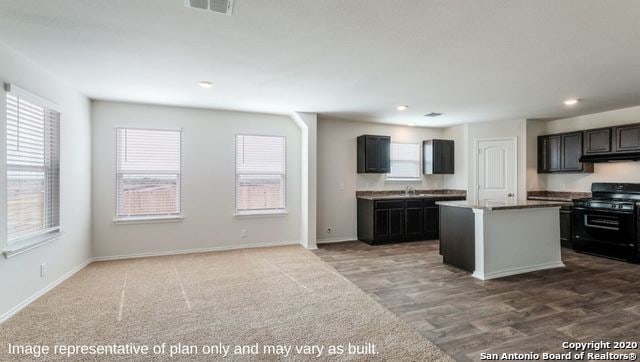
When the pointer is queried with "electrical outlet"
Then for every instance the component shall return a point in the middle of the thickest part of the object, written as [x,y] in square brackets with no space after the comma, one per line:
[329,230]
[243,233]
[43,270]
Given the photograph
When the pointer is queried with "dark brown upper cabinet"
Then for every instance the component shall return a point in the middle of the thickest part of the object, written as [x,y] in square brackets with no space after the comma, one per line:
[627,138]
[438,157]
[561,153]
[549,153]
[374,154]
[597,141]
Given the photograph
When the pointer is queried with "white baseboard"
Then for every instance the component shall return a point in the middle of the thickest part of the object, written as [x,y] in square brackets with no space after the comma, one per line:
[42,291]
[520,270]
[192,251]
[336,240]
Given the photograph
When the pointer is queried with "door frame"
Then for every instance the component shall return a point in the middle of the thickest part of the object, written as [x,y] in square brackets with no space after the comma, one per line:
[476,167]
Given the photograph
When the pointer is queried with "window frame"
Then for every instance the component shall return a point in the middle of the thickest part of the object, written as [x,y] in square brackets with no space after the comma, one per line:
[259,212]
[140,219]
[32,241]
[417,179]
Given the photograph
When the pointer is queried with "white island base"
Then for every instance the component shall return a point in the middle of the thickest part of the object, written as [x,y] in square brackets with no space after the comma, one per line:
[511,238]
[516,241]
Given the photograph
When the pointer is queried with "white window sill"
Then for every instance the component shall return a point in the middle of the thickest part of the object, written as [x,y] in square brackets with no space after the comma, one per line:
[23,246]
[147,219]
[261,213]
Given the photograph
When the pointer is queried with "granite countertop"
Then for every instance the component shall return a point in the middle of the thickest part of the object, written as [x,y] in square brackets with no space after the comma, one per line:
[556,195]
[420,194]
[492,205]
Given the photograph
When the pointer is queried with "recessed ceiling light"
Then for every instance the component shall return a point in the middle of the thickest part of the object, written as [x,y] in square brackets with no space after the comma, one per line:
[206,84]
[571,102]
[402,108]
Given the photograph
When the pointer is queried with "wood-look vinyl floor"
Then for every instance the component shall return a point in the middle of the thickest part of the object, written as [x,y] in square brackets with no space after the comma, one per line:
[592,299]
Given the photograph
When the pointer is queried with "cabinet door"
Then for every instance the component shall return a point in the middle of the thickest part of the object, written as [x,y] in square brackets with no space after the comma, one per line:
[431,222]
[549,153]
[413,223]
[571,151]
[381,225]
[371,154]
[383,146]
[627,138]
[597,141]
[396,224]
[443,155]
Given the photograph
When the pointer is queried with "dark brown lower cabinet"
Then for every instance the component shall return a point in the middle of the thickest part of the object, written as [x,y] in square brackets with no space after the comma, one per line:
[388,221]
[413,229]
[565,226]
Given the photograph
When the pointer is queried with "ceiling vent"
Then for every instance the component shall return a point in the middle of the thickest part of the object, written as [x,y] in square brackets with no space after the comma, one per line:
[433,114]
[217,6]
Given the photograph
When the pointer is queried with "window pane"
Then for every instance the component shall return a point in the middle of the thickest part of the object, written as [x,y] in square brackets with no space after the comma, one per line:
[405,161]
[260,192]
[260,172]
[148,168]
[25,203]
[33,167]
[148,194]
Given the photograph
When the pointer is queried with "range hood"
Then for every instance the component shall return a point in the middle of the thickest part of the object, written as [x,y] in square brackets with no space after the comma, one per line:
[611,157]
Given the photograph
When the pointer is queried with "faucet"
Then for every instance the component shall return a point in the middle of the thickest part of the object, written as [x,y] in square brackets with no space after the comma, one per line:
[409,190]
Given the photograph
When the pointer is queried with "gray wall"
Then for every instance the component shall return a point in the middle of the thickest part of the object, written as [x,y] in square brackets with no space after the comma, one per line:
[208,181]
[20,276]
[338,179]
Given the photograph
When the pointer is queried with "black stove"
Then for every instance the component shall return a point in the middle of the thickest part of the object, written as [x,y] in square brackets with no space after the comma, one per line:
[606,204]
[606,224]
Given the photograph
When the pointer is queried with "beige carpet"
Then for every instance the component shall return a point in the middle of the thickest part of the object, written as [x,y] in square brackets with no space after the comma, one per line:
[256,298]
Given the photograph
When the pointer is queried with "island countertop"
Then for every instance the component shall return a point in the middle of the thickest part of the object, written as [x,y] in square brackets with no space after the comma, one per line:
[492,205]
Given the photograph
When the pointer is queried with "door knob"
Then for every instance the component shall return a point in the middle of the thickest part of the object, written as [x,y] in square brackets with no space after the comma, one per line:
[510,195]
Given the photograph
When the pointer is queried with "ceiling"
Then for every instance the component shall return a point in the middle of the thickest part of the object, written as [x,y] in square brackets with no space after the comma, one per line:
[356,59]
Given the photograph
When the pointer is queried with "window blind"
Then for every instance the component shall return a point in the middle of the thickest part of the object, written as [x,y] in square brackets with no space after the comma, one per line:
[148,172]
[33,167]
[405,161]
[260,173]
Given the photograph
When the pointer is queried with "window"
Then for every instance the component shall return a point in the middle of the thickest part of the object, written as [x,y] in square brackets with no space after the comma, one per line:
[33,168]
[148,173]
[405,162]
[260,174]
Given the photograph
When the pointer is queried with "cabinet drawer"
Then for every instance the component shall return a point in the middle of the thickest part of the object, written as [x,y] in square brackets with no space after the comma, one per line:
[414,203]
[390,204]
[427,203]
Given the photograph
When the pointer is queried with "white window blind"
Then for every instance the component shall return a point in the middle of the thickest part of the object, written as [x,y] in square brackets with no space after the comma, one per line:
[260,174]
[405,161]
[33,167]
[148,172]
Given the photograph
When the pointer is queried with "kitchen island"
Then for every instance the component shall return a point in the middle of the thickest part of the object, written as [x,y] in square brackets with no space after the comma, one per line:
[494,239]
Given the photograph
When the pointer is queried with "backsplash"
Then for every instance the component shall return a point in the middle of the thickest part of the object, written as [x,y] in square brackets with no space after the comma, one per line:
[379,182]
[418,191]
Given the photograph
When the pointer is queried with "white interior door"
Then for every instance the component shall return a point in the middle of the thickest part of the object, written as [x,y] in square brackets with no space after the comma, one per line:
[496,170]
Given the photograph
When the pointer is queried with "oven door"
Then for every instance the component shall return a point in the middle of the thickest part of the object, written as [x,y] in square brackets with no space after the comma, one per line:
[604,232]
